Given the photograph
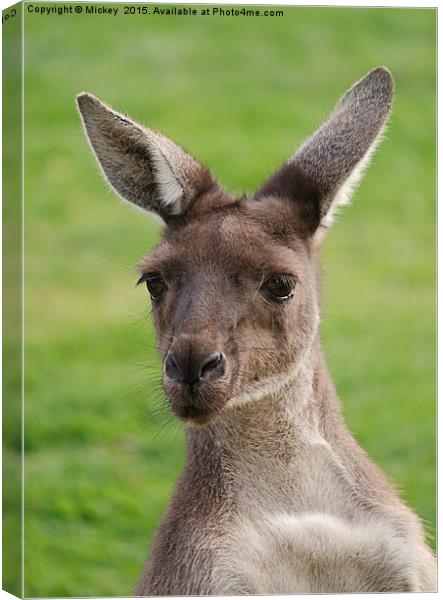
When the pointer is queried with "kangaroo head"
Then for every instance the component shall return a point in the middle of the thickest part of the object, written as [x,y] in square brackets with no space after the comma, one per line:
[233,285]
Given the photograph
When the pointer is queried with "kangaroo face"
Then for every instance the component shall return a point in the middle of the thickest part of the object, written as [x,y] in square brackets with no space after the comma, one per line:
[233,285]
[233,305]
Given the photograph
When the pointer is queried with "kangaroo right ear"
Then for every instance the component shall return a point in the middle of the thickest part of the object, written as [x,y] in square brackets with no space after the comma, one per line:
[143,166]
[322,174]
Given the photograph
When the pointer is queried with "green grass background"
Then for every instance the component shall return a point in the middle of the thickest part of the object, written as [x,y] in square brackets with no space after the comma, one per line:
[240,93]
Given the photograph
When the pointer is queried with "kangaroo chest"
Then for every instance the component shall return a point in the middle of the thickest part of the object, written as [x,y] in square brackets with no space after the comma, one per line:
[311,478]
[299,526]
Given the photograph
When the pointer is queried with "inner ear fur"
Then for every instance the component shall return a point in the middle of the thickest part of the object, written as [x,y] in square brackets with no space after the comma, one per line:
[143,166]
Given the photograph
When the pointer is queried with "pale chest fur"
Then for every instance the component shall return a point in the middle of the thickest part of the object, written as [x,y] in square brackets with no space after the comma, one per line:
[302,525]
[306,477]
[316,553]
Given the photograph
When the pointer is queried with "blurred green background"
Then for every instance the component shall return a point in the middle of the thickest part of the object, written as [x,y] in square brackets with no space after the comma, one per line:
[240,93]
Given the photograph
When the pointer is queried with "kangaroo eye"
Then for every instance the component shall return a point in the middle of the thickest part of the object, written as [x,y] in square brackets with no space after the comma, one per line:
[156,286]
[280,287]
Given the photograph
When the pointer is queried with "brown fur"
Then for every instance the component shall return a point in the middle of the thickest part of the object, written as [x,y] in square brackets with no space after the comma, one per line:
[268,451]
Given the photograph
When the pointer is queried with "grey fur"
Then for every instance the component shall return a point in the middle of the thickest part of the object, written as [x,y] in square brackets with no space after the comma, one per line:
[321,175]
[338,146]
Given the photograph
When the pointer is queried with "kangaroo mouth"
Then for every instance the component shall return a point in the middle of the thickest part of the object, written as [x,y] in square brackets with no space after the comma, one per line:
[196,408]
[192,414]
[198,404]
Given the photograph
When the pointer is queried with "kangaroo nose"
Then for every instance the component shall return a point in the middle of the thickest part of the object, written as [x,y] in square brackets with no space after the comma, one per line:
[192,370]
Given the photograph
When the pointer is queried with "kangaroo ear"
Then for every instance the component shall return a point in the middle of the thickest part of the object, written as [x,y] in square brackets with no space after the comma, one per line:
[142,166]
[322,174]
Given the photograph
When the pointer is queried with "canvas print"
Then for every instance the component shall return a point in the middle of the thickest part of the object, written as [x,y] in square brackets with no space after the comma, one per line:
[219,351]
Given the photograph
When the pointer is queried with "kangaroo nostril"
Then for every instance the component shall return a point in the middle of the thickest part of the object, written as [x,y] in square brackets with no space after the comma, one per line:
[210,363]
[171,367]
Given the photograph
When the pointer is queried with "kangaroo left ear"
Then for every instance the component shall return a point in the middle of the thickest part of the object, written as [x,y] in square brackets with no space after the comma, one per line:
[143,166]
[322,174]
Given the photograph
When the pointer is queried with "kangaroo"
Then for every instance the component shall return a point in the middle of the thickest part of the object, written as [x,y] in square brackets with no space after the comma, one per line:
[276,495]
